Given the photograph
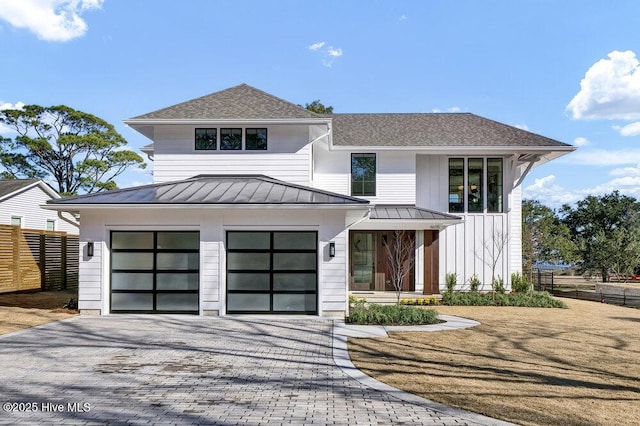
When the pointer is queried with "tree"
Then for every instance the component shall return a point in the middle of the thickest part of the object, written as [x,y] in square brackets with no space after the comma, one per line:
[77,150]
[545,238]
[600,226]
[317,107]
[493,248]
[400,251]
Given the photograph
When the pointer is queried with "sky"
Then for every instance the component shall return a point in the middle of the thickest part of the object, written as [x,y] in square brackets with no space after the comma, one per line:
[565,69]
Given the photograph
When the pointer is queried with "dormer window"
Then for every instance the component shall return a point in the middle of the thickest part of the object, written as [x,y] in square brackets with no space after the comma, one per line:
[206,139]
[231,139]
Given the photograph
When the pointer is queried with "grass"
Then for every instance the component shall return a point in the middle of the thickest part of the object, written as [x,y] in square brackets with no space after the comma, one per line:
[532,299]
[23,310]
[374,314]
[572,366]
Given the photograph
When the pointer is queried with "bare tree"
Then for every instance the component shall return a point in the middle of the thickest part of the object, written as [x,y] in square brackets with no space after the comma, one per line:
[400,250]
[493,250]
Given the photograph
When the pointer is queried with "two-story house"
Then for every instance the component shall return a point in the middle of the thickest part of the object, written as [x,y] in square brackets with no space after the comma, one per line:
[260,206]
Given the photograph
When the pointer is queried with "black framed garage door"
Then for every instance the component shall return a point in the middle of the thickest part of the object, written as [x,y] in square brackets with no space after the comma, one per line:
[272,272]
[155,272]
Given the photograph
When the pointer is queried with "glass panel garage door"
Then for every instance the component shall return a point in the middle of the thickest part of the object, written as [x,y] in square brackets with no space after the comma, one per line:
[272,272]
[155,272]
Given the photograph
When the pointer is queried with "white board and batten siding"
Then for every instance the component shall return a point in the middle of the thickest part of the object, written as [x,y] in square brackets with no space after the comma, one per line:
[213,225]
[287,156]
[395,174]
[26,205]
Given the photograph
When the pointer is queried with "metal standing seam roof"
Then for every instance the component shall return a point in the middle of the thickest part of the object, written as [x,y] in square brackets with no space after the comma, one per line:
[408,212]
[236,103]
[216,189]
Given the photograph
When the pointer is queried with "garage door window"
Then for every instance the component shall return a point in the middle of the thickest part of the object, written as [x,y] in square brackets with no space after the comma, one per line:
[155,272]
[272,272]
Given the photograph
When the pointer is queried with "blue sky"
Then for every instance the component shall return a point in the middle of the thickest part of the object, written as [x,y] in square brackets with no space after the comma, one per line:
[565,69]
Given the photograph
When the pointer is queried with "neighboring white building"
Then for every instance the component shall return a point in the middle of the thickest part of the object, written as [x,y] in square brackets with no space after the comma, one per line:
[20,204]
[260,206]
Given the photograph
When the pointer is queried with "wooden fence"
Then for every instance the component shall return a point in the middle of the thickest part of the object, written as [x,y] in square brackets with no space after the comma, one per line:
[32,259]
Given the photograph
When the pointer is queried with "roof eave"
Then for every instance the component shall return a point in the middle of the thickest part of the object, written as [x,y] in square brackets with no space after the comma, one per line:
[77,207]
[448,149]
[202,121]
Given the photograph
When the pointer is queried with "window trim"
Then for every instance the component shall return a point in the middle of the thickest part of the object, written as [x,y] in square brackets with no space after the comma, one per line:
[20,218]
[484,183]
[48,221]
[195,139]
[375,174]
[266,140]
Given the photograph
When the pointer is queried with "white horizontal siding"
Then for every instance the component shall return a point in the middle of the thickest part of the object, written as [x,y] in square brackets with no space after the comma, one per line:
[287,156]
[26,205]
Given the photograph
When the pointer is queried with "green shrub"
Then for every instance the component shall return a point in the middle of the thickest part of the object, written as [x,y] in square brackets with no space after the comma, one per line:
[451,280]
[498,285]
[533,299]
[356,302]
[520,283]
[374,314]
[474,283]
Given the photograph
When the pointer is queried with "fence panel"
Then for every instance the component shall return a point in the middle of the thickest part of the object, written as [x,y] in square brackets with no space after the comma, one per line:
[32,259]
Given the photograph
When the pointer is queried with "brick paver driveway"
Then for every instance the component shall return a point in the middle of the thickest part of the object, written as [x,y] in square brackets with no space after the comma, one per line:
[188,370]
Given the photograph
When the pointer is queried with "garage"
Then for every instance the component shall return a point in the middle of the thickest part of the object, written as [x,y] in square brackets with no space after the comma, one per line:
[155,272]
[272,272]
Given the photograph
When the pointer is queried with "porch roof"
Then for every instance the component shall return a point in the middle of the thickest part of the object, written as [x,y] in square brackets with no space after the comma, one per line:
[408,212]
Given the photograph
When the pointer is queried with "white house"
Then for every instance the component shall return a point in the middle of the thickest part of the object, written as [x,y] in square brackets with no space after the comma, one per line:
[260,206]
[20,201]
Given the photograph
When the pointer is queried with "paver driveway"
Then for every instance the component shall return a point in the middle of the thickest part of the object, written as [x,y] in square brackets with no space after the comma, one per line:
[189,370]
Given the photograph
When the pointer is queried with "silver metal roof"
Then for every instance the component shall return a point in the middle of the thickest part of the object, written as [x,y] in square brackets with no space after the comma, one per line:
[216,189]
[408,212]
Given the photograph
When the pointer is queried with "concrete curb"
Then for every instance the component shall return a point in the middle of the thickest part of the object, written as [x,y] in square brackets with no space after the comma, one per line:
[342,331]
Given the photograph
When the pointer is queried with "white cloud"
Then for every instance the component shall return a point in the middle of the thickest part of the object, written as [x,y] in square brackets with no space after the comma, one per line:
[402,18]
[522,126]
[454,109]
[50,20]
[336,52]
[632,129]
[610,89]
[549,193]
[601,157]
[316,46]
[626,171]
[580,141]
[8,105]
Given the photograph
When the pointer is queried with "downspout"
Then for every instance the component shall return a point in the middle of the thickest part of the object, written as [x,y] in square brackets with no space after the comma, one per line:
[70,222]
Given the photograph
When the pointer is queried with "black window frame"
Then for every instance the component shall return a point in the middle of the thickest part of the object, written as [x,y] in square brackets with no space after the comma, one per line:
[208,130]
[361,182]
[155,271]
[232,130]
[272,271]
[257,139]
[497,205]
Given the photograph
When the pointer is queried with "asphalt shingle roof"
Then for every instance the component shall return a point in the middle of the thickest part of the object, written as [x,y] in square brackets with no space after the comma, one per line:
[236,103]
[216,189]
[430,129]
[11,185]
[408,212]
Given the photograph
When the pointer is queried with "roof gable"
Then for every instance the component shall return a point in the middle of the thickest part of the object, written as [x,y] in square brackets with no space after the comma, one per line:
[236,103]
[431,130]
[12,187]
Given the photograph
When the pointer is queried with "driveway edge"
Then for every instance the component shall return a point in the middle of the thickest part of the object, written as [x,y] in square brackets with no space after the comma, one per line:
[341,332]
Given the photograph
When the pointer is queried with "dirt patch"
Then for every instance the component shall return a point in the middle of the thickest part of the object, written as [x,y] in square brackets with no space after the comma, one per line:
[24,310]
[525,365]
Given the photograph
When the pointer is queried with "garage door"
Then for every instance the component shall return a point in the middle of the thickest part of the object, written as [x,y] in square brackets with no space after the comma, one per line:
[272,272]
[155,272]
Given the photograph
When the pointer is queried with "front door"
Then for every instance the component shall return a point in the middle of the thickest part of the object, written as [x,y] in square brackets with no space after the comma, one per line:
[362,261]
[431,261]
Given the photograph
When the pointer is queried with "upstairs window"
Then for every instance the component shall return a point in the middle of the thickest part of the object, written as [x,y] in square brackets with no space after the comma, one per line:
[231,139]
[51,225]
[476,185]
[363,175]
[206,139]
[16,221]
[256,139]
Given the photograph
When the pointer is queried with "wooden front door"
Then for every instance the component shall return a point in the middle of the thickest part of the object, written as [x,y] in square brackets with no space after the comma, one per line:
[431,261]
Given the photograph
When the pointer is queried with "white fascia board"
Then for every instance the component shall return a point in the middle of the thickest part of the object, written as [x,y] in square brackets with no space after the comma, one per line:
[391,224]
[79,207]
[459,150]
[156,121]
[45,187]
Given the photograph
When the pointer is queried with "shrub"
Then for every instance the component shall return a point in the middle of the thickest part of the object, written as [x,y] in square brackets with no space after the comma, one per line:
[520,283]
[356,302]
[392,315]
[498,285]
[451,280]
[433,300]
[474,283]
[532,299]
